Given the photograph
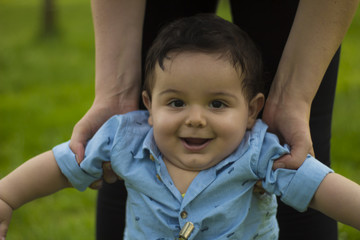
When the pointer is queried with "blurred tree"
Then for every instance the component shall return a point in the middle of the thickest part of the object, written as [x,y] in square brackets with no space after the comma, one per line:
[49,22]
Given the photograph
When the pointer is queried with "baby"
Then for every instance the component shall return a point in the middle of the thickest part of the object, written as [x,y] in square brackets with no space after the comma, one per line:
[191,161]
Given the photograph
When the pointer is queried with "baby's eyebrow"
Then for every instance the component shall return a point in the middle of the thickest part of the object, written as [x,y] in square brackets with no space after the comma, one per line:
[223,94]
[214,94]
[170,90]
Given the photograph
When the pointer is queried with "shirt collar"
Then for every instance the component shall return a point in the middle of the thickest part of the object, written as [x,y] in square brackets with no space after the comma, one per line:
[148,147]
[251,142]
[237,154]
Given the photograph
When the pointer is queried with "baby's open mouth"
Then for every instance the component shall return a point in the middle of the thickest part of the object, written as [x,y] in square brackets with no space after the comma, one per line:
[195,141]
[195,144]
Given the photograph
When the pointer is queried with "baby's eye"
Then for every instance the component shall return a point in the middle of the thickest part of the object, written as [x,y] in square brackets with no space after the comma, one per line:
[217,104]
[176,103]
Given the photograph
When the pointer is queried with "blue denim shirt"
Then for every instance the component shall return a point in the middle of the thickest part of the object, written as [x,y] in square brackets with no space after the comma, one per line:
[219,202]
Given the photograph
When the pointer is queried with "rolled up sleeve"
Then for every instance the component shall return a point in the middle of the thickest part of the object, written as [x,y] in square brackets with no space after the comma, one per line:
[304,184]
[295,188]
[66,161]
[96,153]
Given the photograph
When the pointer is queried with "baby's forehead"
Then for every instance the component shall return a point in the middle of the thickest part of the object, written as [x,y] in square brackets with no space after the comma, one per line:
[178,57]
[197,66]
[177,63]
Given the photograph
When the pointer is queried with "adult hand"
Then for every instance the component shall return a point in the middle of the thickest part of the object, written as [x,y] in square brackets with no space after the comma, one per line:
[89,124]
[290,122]
[118,29]
[5,217]
[310,46]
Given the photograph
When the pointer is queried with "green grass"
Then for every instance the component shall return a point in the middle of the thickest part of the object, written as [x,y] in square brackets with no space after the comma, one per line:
[46,85]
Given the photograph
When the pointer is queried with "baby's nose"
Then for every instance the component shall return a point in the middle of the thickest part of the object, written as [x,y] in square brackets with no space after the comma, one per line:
[196,118]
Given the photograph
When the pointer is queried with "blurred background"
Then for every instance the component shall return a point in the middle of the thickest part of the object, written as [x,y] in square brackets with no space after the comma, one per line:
[47,85]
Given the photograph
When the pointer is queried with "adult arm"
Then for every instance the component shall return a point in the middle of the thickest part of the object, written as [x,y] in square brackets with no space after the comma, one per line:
[38,177]
[318,29]
[118,35]
[339,198]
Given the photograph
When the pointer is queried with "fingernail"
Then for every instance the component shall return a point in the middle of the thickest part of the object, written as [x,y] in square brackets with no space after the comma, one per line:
[77,159]
[280,165]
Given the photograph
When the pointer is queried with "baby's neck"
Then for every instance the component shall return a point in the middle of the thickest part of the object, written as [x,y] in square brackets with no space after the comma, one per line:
[182,178]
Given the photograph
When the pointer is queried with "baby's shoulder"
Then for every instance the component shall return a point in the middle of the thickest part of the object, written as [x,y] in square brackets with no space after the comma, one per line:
[129,129]
[132,122]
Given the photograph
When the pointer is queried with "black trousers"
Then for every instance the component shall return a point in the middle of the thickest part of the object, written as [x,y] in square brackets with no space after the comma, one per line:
[268,22]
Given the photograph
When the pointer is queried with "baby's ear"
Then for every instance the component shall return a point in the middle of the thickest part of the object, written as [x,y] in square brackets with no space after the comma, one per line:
[147,102]
[255,106]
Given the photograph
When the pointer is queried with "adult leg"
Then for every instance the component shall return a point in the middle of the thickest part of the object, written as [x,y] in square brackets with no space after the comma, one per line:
[268,23]
[111,201]
[110,211]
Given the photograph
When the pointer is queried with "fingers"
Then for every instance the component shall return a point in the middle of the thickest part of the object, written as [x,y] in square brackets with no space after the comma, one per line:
[96,185]
[78,149]
[78,143]
[296,134]
[81,134]
[281,162]
[258,188]
[290,122]
[85,129]
[109,175]
[295,159]
[89,124]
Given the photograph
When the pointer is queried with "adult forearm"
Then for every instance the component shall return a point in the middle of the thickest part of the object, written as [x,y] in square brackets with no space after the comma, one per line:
[316,34]
[38,177]
[318,29]
[118,36]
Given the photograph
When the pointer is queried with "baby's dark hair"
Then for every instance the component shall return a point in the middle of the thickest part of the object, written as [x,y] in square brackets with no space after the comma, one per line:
[208,33]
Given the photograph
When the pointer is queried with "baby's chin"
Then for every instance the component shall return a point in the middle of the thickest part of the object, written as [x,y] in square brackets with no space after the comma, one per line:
[197,164]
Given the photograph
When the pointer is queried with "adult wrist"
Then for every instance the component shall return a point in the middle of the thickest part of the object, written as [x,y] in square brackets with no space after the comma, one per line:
[117,103]
[289,91]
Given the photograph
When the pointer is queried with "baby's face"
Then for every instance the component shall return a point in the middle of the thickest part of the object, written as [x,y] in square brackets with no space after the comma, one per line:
[198,110]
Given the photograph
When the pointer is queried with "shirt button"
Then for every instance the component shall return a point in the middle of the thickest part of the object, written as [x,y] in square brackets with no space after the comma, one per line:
[158,177]
[183,214]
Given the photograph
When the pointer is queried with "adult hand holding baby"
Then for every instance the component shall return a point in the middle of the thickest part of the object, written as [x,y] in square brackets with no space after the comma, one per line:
[290,122]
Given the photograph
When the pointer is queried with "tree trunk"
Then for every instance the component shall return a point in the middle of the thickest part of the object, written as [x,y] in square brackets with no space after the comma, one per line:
[49,27]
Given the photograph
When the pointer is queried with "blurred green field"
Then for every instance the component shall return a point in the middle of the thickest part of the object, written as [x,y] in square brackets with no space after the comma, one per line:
[46,85]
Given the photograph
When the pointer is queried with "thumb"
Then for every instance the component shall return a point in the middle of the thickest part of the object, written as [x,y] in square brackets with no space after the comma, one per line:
[295,159]
[78,141]
[78,149]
